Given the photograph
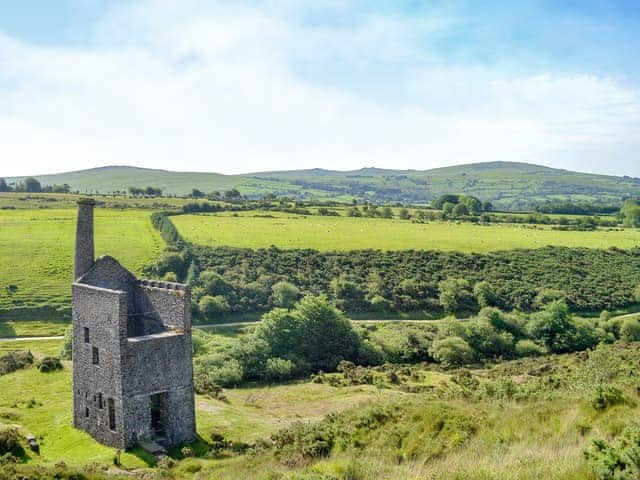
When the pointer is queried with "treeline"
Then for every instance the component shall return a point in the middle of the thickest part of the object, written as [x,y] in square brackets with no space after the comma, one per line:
[577,208]
[313,336]
[145,192]
[32,185]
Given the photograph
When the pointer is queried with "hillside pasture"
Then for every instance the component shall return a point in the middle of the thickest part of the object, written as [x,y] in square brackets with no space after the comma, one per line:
[36,248]
[265,229]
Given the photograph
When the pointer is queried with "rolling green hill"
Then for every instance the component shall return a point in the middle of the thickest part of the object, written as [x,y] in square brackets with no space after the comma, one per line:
[509,185]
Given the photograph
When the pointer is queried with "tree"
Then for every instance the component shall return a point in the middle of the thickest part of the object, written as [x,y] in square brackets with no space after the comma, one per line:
[314,334]
[630,330]
[487,206]
[195,193]
[404,214]
[460,210]
[455,294]
[285,294]
[472,203]
[387,212]
[446,198]
[348,294]
[153,192]
[3,186]
[636,293]
[447,208]
[32,185]
[630,213]
[232,194]
[212,307]
[64,188]
[554,328]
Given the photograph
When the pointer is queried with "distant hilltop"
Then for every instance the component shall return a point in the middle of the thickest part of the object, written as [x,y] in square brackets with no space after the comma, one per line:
[508,185]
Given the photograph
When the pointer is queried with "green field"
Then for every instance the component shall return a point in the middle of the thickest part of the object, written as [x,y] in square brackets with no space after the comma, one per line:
[250,230]
[36,248]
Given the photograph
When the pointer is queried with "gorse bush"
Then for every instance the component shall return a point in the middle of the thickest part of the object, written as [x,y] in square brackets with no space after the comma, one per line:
[10,442]
[408,280]
[12,361]
[618,460]
[605,396]
[49,364]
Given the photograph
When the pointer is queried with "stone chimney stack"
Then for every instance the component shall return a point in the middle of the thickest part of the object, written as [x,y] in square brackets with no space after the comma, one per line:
[84,254]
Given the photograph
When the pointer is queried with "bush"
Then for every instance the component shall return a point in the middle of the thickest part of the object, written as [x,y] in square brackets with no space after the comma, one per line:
[285,294]
[12,361]
[279,369]
[303,442]
[207,378]
[10,442]
[618,460]
[67,344]
[605,396]
[314,335]
[630,330]
[212,307]
[49,364]
[528,348]
[455,294]
[379,304]
[553,328]
[452,352]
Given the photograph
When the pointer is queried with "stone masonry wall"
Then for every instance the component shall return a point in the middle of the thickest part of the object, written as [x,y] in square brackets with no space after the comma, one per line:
[103,312]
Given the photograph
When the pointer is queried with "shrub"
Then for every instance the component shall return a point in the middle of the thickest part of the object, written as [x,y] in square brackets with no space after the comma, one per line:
[67,348]
[212,307]
[379,304]
[528,348]
[303,442]
[314,335]
[12,361]
[605,396]
[485,296]
[452,352]
[455,294]
[630,330]
[618,460]
[170,277]
[279,369]
[229,375]
[10,442]
[49,364]
[285,294]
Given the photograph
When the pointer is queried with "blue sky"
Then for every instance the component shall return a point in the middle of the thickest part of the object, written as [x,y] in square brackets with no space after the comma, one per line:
[277,84]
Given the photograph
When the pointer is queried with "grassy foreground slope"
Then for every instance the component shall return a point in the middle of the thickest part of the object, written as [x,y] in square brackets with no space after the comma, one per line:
[524,419]
[36,247]
[508,185]
[251,230]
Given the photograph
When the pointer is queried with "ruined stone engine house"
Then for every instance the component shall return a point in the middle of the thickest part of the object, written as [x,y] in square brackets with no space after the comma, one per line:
[132,353]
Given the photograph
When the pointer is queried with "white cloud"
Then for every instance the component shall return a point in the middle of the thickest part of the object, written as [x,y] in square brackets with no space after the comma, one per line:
[166,86]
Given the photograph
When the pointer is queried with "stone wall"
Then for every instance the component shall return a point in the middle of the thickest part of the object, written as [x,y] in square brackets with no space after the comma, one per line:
[104,313]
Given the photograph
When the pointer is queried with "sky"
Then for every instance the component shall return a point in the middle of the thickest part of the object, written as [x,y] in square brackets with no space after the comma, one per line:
[250,85]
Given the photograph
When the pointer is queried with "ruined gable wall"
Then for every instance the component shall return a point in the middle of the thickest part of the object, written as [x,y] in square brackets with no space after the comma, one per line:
[169,303]
[104,313]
